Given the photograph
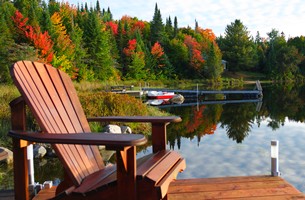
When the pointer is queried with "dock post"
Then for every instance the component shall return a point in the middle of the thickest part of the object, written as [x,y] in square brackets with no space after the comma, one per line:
[30,158]
[275,158]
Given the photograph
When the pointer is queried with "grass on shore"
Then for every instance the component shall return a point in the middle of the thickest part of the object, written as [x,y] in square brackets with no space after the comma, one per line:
[244,75]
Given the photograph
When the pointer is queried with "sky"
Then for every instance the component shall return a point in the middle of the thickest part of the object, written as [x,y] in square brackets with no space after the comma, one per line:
[257,15]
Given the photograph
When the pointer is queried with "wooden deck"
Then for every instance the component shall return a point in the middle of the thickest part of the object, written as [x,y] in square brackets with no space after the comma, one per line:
[248,188]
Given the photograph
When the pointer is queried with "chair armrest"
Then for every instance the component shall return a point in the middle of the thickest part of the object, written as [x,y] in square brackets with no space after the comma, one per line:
[158,126]
[111,140]
[144,119]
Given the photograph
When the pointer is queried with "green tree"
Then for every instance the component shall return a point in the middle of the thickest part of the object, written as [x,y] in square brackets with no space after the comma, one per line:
[299,43]
[178,55]
[136,68]
[261,48]
[30,9]
[238,48]
[213,64]
[136,59]
[156,27]
[288,59]
[6,39]
[6,42]
[282,59]
[169,30]
[175,26]
[97,42]
[275,42]
[46,24]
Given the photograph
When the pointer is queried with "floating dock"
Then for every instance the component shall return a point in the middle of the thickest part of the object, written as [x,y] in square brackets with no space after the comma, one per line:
[257,92]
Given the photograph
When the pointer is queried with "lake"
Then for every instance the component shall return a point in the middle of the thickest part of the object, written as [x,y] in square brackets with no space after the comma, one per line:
[233,139]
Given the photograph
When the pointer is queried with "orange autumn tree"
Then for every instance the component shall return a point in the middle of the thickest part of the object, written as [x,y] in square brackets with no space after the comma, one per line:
[207,33]
[41,41]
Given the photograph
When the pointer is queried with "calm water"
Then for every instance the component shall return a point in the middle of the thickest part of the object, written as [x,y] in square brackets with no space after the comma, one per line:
[234,139]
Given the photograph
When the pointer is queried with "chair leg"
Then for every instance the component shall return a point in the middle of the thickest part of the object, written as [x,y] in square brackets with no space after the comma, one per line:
[21,179]
[126,173]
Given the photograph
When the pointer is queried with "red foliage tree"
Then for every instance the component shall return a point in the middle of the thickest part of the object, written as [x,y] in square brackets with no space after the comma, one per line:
[195,49]
[41,41]
[132,44]
[139,25]
[113,27]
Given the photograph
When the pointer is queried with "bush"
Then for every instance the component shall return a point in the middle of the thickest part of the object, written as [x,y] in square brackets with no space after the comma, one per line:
[7,94]
[111,104]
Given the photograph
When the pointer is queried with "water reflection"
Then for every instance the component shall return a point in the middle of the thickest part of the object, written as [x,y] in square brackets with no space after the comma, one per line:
[234,139]
[202,120]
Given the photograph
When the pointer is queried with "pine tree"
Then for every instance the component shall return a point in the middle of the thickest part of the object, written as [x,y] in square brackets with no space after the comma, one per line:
[98,8]
[196,25]
[169,30]
[54,6]
[81,54]
[156,27]
[46,24]
[175,27]
[98,44]
[238,48]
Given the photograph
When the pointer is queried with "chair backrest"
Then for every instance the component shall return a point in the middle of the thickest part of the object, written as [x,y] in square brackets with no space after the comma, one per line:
[52,98]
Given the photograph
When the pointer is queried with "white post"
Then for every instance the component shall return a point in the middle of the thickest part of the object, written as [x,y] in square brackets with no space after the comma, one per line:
[275,158]
[30,158]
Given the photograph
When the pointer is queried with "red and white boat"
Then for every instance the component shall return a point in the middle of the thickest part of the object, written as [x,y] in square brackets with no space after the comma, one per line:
[160,95]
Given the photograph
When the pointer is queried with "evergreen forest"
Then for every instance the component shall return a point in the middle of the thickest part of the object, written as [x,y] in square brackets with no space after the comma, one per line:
[88,44]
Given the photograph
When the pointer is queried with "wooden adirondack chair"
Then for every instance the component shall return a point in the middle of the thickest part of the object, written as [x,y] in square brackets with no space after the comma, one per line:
[51,97]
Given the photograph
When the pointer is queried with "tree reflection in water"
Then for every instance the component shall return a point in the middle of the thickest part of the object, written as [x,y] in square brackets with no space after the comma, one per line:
[280,102]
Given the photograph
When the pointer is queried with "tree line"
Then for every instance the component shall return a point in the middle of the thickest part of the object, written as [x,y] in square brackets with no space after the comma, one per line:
[279,59]
[88,44]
